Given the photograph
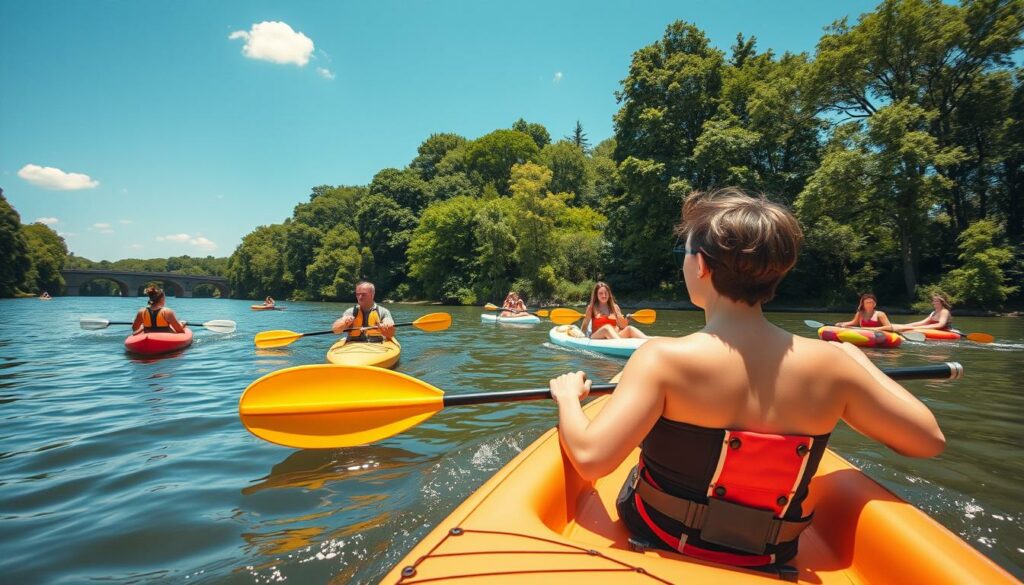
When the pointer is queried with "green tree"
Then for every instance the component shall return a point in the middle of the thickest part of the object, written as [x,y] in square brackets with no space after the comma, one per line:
[385,228]
[46,251]
[981,279]
[432,151]
[536,213]
[14,259]
[489,158]
[579,138]
[569,171]
[538,132]
[451,185]
[301,243]
[405,188]
[257,267]
[337,267]
[443,246]
[496,244]
[329,206]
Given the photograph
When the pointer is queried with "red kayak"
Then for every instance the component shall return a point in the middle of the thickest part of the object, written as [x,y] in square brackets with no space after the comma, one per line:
[157,343]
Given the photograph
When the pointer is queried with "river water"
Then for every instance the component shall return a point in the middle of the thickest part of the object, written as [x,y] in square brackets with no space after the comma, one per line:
[120,470]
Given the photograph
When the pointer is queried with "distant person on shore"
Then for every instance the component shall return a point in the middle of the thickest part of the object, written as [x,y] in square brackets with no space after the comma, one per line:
[940,318]
[268,302]
[513,305]
[604,317]
[868,316]
[367,313]
[156,317]
[733,418]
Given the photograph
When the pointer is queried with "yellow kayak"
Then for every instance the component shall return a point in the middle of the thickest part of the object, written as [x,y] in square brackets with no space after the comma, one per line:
[381,355]
[536,521]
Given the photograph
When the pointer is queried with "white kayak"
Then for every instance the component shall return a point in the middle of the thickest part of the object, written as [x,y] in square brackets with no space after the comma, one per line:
[571,336]
[492,318]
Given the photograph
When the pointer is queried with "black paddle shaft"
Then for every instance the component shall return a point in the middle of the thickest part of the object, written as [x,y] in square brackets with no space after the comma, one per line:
[948,370]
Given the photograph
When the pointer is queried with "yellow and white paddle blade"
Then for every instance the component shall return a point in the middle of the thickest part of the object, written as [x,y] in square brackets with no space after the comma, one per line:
[325,406]
[275,338]
[491,307]
[433,322]
[564,316]
[645,316]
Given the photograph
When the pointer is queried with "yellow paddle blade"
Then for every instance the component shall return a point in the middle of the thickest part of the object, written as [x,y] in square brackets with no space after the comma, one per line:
[564,316]
[275,338]
[433,322]
[981,337]
[325,405]
[543,313]
[645,316]
[491,307]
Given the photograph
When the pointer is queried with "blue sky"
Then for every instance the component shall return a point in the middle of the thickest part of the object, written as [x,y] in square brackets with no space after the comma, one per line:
[144,129]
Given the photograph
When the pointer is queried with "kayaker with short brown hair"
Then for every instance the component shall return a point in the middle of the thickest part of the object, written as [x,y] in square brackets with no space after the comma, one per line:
[733,420]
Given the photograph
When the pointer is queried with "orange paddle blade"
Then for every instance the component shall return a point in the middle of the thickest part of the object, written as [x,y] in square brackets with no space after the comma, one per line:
[564,316]
[433,322]
[645,316]
[491,307]
[324,405]
[980,337]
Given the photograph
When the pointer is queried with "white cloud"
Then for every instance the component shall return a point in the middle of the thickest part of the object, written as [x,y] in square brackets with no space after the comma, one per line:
[66,234]
[101,226]
[557,78]
[325,73]
[124,221]
[47,220]
[198,241]
[136,246]
[275,42]
[173,238]
[203,243]
[56,179]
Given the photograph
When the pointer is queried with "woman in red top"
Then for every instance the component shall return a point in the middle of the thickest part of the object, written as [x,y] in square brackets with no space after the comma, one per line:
[867,316]
[604,317]
[741,390]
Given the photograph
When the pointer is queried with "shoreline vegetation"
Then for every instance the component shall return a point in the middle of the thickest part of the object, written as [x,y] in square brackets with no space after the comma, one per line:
[903,160]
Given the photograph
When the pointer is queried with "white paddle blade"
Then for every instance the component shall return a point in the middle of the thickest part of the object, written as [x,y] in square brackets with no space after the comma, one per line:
[94,324]
[220,326]
[914,336]
[814,324]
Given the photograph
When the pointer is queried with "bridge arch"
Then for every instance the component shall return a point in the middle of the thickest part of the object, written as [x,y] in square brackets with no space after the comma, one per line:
[133,283]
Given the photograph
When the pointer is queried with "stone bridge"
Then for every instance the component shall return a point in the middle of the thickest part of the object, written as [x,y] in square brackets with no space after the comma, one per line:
[130,282]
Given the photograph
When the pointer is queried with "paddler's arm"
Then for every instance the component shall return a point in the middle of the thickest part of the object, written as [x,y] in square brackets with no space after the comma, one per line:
[172,321]
[343,322]
[880,408]
[854,321]
[596,447]
[137,323]
[387,326]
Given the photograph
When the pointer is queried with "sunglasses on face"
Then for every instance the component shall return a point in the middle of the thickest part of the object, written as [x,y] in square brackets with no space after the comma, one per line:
[679,254]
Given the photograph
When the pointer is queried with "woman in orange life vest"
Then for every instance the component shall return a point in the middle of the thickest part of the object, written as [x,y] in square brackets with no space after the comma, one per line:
[156,317]
[939,318]
[733,420]
[867,315]
[604,317]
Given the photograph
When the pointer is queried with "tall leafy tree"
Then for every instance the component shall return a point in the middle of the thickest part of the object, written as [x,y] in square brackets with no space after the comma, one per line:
[337,267]
[442,253]
[14,259]
[405,188]
[538,132]
[46,251]
[489,159]
[385,228]
[432,151]
[569,170]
